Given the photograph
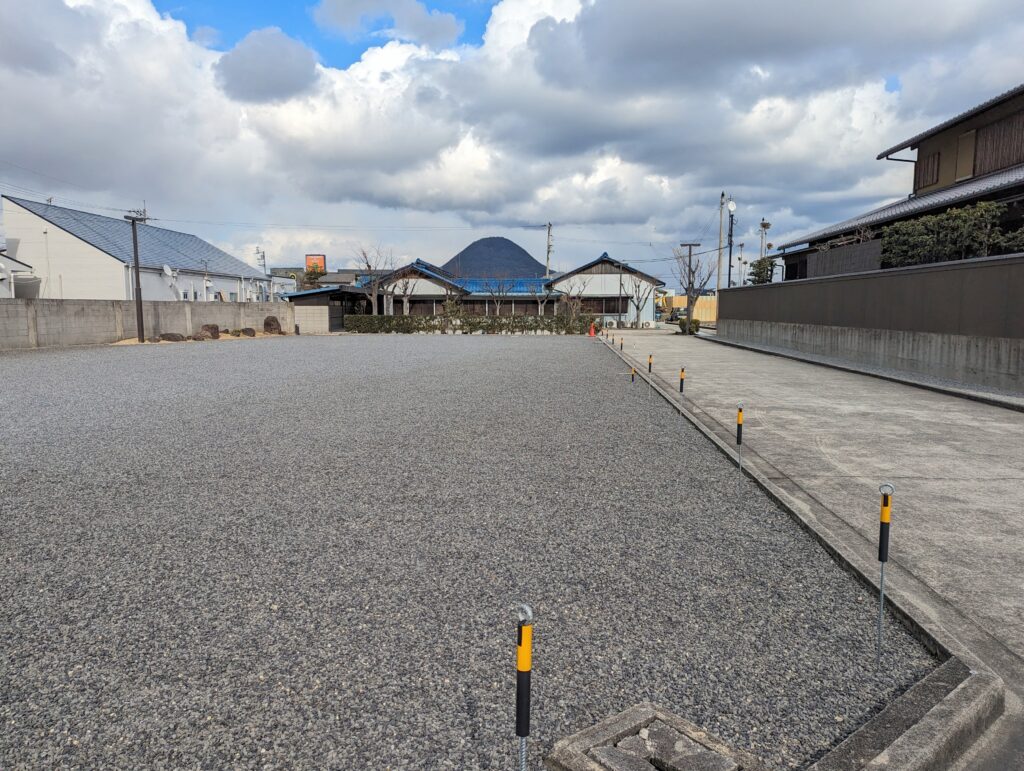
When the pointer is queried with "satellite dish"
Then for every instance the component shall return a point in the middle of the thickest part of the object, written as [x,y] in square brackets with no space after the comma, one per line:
[168,272]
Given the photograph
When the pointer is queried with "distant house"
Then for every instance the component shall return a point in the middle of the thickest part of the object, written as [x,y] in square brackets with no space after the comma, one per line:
[606,288]
[975,156]
[79,255]
[16,278]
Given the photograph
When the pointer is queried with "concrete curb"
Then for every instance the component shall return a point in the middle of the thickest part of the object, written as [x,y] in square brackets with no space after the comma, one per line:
[973,396]
[955,718]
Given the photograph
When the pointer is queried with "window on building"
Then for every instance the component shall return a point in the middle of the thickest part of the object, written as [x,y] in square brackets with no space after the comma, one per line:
[184,294]
[926,171]
[965,156]
[233,296]
[795,270]
[1000,145]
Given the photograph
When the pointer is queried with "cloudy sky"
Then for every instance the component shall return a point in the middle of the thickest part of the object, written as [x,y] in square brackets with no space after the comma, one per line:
[317,126]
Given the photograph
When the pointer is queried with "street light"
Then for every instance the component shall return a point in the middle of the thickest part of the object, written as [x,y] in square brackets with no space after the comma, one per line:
[764,236]
[732,222]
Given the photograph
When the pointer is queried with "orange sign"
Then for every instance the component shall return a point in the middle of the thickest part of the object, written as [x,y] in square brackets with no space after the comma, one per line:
[318,261]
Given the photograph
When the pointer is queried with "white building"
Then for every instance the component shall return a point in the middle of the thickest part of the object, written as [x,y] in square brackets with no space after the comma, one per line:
[619,294]
[77,255]
[16,278]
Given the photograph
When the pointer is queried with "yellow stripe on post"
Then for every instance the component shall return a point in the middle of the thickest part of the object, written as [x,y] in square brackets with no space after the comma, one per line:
[886,514]
[524,651]
[739,416]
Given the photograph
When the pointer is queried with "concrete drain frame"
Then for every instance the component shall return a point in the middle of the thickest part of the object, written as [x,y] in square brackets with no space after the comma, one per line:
[927,728]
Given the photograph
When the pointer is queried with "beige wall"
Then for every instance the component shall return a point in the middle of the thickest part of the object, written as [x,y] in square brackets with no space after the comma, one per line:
[64,323]
[312,319]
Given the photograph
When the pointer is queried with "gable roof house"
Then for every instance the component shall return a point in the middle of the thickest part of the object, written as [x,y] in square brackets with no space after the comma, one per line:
[975,156]
[80,255]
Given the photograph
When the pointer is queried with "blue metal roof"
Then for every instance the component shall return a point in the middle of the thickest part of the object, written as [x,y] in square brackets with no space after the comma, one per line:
[307,292]
[505,286]
[157,246]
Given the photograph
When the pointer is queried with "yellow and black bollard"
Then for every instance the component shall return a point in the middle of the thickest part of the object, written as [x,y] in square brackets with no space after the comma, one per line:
[887,490]
[524,663]
[650,362]
[682,379]
[739,434]
[621,341]
[632,374]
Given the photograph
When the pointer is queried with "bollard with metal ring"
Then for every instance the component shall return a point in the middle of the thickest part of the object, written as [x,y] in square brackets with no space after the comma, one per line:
[739,434]
[650,362]
[524,663]
[632,374]
[887,490]
[682,378]
[622,341]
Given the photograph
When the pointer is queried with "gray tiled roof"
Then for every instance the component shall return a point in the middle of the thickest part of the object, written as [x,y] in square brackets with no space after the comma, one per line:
[914,141]
[905,207]
[157,246]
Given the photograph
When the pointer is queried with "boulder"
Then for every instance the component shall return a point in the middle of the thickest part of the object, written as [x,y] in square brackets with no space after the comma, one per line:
[172,337]
[211,330]
[272,325]
[249,332]
[152,339]
[201,335]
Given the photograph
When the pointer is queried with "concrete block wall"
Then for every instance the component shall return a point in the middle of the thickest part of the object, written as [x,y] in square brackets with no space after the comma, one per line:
[62,323]
[312,319]
[994,362]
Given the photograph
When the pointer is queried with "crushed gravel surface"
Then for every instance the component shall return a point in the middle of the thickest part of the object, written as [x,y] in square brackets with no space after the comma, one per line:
[306,552]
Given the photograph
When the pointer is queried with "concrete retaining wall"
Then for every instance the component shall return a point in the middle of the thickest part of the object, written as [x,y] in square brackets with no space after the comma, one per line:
[62,323]
[312,319]
[955,320]
[996,362]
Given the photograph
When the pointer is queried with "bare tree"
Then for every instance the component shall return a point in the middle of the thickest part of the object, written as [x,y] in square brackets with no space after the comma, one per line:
[639,291]
[541,293]
[572,295]
[374,263]
[693,274]
[499,290]
[405,287]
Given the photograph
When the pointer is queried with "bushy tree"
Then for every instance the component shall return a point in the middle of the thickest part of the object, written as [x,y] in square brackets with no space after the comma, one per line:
[761,270]
[968,231]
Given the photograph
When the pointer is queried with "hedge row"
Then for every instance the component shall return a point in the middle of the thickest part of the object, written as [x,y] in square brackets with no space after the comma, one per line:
[487,325]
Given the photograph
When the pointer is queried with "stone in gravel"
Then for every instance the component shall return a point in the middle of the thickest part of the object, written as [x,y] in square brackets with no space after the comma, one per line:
[615,759]
[212,330]
[248,331]
[172,337]
[272,325]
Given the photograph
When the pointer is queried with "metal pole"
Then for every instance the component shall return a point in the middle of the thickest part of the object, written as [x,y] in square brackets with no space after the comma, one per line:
[884,519]
[881,612]
[524,665]
[732,220]
[718,272]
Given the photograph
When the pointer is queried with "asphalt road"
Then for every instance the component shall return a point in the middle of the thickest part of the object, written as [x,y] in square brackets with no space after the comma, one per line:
[307,553]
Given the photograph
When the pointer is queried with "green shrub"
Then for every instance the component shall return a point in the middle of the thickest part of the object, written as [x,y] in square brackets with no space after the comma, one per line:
[694,326]
[957,234]
[487,325]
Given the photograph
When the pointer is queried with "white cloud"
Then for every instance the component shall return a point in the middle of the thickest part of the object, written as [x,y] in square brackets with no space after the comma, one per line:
[267,66]
[616,120]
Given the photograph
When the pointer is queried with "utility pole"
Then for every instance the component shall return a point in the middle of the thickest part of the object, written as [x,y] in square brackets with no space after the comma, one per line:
[547,266]
[732,221]
[261,255]
[135,217]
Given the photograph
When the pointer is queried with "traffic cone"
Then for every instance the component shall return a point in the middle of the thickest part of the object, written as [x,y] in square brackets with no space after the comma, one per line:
[591,334]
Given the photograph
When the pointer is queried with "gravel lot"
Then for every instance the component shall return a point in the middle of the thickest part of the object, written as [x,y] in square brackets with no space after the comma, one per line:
[307,553]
